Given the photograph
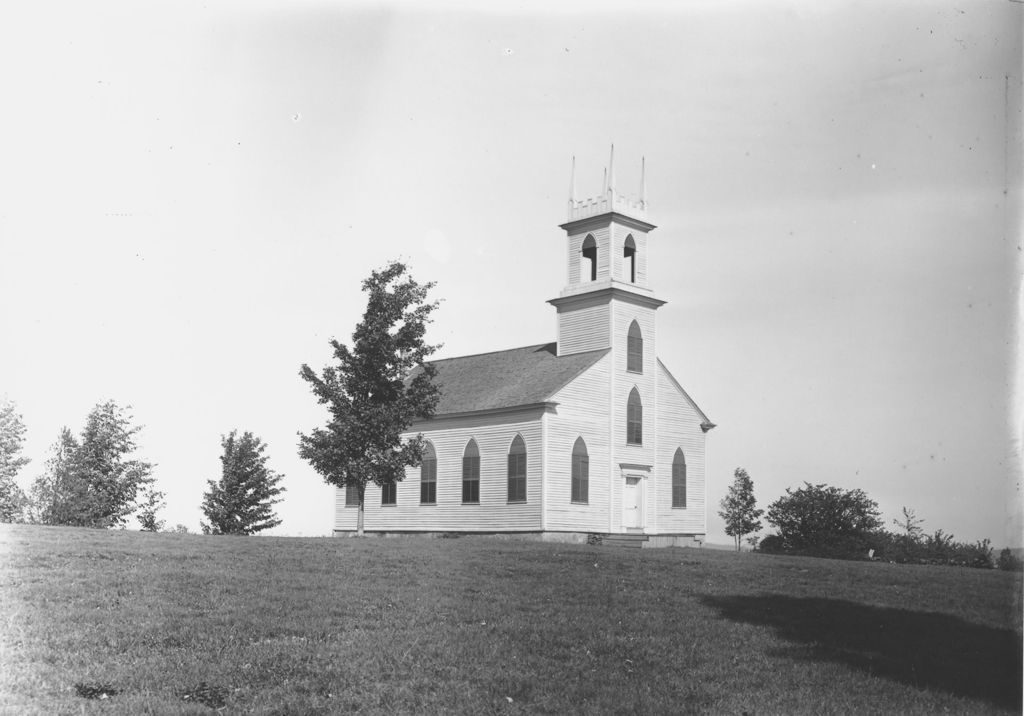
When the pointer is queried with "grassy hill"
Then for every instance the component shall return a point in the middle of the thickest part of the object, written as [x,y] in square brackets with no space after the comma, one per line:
[130,623]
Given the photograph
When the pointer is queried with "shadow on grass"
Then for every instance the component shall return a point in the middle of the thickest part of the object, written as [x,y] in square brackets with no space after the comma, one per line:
[922,649]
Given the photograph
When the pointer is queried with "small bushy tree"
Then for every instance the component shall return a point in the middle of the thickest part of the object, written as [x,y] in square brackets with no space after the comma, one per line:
[910,524]
[241,502]
[151,503]
[376,389]
[739,508]
[824,520]
[92,481]
[12,435]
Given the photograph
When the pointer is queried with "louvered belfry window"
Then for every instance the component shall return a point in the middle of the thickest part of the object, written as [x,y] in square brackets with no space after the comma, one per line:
[428,476]
[588,262]
[471,473]
[629,259]
[580,471]
[634,419]
[517,471]
[679,479]
[635,349]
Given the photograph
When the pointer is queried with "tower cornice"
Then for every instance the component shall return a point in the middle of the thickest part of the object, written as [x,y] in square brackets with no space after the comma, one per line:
[596,296]
[598,220]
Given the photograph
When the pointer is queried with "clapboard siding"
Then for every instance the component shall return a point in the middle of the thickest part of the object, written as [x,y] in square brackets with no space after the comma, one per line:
[679,427]
[583,329]
[623,315]
[449,436]
[581,412]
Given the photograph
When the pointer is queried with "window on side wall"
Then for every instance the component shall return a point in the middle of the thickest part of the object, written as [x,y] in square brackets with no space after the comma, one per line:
[517,470]
[471,474]
[428,476]
[679,479]
[580,472]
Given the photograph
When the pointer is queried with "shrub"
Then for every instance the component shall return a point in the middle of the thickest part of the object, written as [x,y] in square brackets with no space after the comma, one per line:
[938,548]
[771,544]
[1008,561]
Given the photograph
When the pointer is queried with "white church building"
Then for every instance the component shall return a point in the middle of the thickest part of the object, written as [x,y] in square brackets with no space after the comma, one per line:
[588,435]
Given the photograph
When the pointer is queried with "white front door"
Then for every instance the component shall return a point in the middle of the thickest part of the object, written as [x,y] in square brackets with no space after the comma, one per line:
[632,514]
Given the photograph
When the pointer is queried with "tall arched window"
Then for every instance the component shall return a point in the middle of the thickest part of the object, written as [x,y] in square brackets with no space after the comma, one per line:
[679,479]
[428,476]
[471,473]
[588,261]
[629,259]
[580,471]
[517,470]
[634,419]
[635,349]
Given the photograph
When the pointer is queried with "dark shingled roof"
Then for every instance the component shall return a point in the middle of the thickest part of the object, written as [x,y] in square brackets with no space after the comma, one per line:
[505,379]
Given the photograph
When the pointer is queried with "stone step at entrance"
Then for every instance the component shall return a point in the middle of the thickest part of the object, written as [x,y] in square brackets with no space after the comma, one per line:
[629,541]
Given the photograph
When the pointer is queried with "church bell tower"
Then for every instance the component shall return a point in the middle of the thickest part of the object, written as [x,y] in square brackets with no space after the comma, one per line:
[606,291]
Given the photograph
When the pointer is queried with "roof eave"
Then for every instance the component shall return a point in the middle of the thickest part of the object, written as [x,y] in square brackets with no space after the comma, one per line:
[547,406]
[706,423]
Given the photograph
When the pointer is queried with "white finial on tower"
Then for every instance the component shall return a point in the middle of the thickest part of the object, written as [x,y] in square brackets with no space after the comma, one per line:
[572,187]
[604,182]
[643,183]
[611,171]
[572,180]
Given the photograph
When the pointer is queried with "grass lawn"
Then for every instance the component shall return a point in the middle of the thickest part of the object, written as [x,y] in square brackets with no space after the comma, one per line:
[129,623]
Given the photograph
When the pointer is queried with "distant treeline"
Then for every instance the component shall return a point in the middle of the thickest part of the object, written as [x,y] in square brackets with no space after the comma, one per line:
[825,521]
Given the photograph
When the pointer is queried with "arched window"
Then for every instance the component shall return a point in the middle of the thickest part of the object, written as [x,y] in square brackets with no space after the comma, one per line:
[634,419]
[517,470]
[471,473]
[428,476]
[588,264]
[635,349]
[629,259]
[580,471]
[679,479]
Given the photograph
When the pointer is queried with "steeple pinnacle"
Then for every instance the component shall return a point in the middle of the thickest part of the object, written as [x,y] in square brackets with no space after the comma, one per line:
[643,183]
[611,173]
[609,200]
[572,185]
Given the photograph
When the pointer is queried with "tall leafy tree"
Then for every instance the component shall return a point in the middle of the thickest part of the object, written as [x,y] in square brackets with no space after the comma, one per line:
[376,389]
[12,435]
[57,494]
[93,481]
[739,507]
[242,501]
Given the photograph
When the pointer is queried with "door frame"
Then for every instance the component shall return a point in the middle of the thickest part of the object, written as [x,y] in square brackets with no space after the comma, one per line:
[643,472]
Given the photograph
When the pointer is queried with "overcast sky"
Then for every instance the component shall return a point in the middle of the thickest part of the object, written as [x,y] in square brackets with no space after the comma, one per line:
[191,193]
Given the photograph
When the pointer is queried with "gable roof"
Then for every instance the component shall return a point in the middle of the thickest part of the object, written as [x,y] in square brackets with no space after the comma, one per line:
[506,379]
